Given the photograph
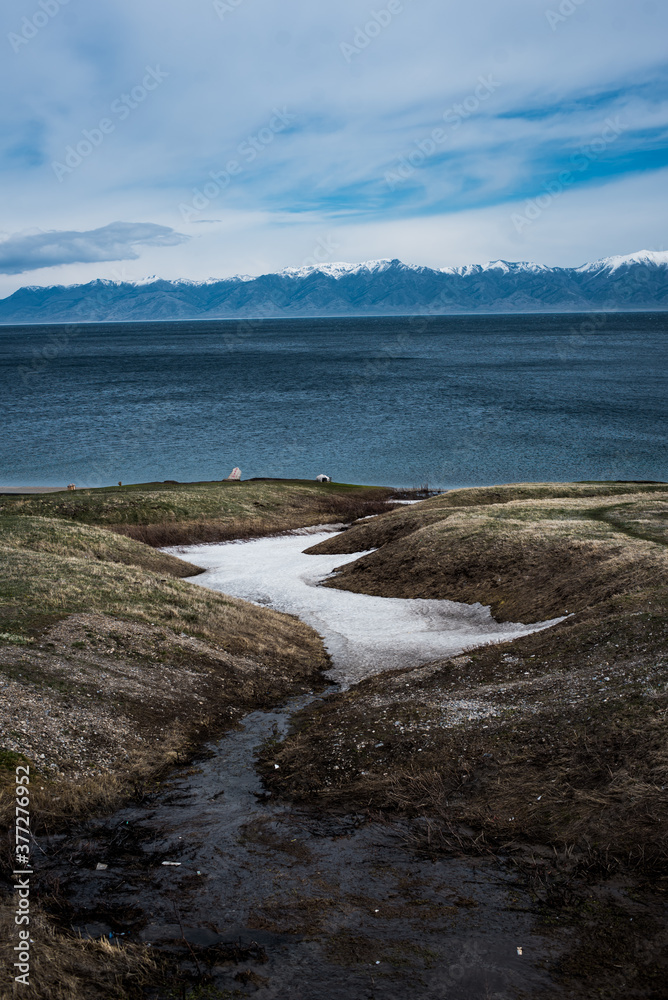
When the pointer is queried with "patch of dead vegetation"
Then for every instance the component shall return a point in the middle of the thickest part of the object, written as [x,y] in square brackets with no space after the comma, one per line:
[403,521]
[61,538]
[302,512]
[111,666]
[557,738]
[163,514]
[549,752]
[65,967]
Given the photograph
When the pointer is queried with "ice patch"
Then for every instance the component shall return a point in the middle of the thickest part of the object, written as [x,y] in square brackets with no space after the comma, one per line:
[364,635]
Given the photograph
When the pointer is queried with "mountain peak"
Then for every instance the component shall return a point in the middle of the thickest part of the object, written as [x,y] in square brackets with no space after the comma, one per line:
[340,269]
[651,258]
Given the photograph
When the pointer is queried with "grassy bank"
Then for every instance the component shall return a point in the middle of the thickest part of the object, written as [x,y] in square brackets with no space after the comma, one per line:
[163,514]
[530,559]
[110,664]
[551,751]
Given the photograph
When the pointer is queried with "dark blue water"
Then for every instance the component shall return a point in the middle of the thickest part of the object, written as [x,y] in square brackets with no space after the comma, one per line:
[446,400]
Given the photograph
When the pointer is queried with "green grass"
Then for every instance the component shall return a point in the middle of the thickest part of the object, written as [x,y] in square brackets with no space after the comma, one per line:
[53,568]
[9,760]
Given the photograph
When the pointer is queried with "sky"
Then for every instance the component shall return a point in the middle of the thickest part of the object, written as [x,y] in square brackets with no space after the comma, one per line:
[206,138]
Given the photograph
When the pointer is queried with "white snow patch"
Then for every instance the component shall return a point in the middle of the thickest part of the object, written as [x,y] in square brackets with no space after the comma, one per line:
[657,258]
[364,635]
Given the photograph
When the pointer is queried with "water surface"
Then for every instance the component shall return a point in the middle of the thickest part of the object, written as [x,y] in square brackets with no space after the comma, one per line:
[452,401]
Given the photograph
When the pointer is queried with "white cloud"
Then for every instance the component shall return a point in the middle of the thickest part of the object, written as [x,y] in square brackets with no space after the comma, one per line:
[117,241]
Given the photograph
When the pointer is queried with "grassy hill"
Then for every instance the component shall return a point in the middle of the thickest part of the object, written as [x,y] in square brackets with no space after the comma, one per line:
[187,513]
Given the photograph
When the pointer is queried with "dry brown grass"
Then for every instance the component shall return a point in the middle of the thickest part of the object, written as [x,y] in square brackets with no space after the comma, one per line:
[65,967]
[111,665]
[507,493]
[70,540]
[63,585]
[556,739]
[403,521]
[102,707]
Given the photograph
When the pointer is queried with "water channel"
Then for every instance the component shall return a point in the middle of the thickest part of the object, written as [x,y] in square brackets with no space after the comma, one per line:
[286,904]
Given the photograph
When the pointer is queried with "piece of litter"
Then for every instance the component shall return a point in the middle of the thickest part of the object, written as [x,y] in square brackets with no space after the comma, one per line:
[539,798]
[172,864]
[99,867]
[519,951]
[377,963]
[276,766]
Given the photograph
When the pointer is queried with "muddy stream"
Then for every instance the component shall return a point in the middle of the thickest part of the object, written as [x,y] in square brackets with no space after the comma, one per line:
[278,902]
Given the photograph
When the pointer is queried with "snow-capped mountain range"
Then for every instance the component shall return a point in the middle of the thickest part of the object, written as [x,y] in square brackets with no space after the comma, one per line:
[636,281]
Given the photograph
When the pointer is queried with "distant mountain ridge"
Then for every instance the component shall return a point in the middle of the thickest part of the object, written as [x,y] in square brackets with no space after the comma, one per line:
[636,281]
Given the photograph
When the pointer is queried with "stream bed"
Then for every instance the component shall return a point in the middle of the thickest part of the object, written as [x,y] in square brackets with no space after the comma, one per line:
[283,903]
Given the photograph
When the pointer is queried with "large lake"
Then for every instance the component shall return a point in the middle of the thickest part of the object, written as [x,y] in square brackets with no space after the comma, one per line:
[449,401]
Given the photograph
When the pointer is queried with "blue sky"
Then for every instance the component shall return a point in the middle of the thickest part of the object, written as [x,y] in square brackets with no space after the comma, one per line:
[217,137]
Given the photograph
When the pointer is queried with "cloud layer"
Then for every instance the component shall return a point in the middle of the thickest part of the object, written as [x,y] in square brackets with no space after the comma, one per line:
[117,241]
